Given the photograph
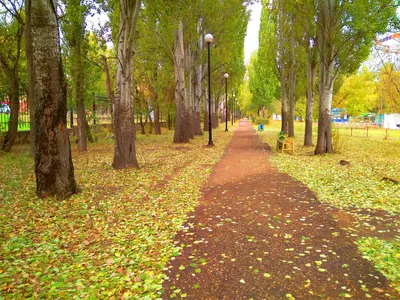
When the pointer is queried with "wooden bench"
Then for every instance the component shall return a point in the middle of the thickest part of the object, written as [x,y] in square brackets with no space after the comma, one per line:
[285,144]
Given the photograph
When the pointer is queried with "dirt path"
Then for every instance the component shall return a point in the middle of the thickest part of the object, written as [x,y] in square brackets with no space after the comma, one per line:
[258,234]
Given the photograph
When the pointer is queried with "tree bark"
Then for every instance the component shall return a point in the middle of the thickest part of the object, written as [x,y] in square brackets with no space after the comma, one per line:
[326,77]
[182,132]
[124,126]
[53,162]
[198,82]
[311,73]
[157,128]
[205,125]
[292,88]
[9,139]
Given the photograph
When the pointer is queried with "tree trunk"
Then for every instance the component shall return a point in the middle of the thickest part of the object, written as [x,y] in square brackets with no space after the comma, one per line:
[157,128]
[284,112]
[198,83]
[13,122]
[151,124]
[311,73]
[124,126]
[326,78]
[205,125]
[182,132]
[110,90]
[292,88]
[142,125]
[53,162]
[79,92]
[189,89]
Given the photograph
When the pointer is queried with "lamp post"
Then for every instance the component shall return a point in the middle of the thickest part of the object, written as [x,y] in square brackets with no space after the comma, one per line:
[208,39]
[226,75]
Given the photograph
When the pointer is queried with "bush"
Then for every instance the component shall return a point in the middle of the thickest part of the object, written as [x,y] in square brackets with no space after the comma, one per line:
[261,121]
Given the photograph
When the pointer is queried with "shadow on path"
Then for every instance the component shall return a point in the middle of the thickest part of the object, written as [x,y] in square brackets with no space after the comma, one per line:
[259,234]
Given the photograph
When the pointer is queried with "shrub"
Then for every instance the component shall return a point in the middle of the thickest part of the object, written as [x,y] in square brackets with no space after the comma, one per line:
[261,121]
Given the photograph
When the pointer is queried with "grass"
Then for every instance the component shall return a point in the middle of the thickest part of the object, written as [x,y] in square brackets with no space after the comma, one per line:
[358,185]
[355,187]
[113,239]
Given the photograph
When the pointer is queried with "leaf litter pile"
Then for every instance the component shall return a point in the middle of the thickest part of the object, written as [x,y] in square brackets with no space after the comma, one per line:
[363,194]
[113,239]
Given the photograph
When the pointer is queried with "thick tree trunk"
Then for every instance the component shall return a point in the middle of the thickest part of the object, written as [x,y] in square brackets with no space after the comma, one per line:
[284,110]
[53,162]
[292,88]
[9,139]
[198,82]
[326,78]
[182,132]
[142,125]
[189,88]
[124,126]
[311,73]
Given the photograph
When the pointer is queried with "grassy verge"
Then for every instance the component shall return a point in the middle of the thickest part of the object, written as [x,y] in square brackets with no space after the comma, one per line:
[358,185]
[111,240]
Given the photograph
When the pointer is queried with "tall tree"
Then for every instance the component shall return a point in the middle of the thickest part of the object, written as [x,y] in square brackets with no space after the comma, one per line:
[124,127]
[53,162]
[74,29]
[11,50]
[344,41]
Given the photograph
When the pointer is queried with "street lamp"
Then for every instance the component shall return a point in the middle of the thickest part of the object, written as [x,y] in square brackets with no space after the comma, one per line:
[208,39]
[226,102]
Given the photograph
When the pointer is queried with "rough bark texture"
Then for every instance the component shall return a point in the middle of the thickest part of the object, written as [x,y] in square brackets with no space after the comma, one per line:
[182,132]
[292,88]
[311,73]
[124,126]
[282,69]
[79,95]
[53,162]
[326,77]
[198,82]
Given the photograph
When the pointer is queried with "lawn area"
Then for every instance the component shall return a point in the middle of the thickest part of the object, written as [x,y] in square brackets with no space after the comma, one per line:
[357,192]
[111,240]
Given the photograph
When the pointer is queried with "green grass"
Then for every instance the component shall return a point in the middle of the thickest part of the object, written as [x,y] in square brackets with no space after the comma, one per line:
[385,255]
[112,239]
[358,185]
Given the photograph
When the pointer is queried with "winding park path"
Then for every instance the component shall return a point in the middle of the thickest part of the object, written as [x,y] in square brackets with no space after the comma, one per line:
[259,234]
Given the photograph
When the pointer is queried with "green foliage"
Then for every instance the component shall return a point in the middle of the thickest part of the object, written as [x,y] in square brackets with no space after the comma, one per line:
[358,185]
[261,120]
[358,93]
[112,239]
[385,255]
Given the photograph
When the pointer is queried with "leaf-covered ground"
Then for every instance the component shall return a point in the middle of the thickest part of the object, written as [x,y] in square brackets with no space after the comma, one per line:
[114,237]
[259,234]
[360,194]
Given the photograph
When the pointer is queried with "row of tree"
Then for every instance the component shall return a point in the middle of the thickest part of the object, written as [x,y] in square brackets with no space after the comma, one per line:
[305,46]
[158,63]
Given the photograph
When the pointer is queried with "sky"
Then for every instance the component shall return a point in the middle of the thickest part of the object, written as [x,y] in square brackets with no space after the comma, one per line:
[251,39]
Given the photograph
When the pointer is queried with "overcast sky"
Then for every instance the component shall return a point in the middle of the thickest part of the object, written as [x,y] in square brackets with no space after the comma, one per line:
[251,40]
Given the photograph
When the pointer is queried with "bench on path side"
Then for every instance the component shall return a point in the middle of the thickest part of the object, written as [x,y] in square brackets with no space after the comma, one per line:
[284,144]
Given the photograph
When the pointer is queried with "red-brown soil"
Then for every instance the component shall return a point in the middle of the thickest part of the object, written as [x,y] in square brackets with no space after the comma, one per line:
[259,234]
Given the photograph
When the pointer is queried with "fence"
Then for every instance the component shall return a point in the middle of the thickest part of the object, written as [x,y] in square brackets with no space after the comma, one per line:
[366,131]
[23,116]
